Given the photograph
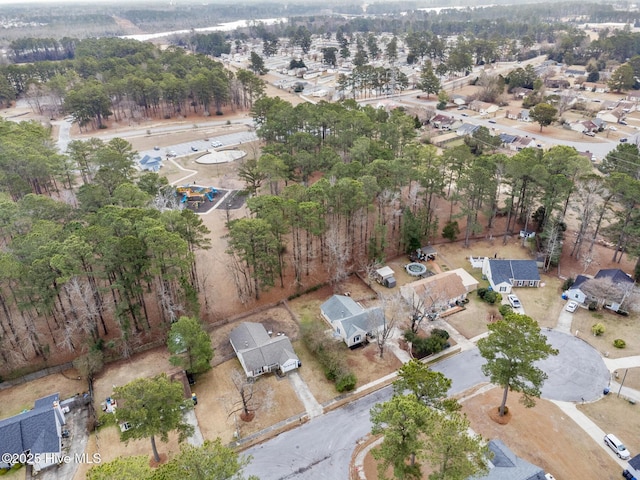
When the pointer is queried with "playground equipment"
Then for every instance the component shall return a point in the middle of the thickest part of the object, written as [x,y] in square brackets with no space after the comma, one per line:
[415,269]
[194,193]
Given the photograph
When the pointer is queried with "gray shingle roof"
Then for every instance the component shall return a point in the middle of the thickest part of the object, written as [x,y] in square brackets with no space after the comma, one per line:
[616,275]
[339,307]
[257,349]
[35,430]
[506,465]
[513,270]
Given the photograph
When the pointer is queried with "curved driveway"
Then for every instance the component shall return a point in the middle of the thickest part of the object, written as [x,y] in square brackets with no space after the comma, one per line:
[321,449]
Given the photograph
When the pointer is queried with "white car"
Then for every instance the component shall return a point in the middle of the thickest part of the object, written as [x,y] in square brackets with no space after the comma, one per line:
[216,144]
[571,306]
[611,441]
[514,301]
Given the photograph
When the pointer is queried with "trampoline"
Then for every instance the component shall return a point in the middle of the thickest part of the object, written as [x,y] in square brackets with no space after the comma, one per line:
[415,269]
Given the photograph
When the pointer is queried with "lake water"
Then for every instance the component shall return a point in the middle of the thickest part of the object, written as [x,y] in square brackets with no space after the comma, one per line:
[222,27]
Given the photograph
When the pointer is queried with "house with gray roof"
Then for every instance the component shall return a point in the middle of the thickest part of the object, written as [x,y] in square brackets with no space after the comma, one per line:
[351,321]
[467,129]
[37,431]
[506,465]
[260,352]
[621,285]
[503,275]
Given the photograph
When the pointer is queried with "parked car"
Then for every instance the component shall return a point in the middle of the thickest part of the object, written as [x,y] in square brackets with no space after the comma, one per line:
[614,443]
[464,114]
[590,134]
[194,148]
[571,306]
[172,154]
[514,301]
[622,122]
[628,475]
[156,148]
[623,140]
[492,121]
[613,129]
[216,144]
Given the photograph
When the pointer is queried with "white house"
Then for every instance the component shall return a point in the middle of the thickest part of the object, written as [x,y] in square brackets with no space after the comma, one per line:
[350,320]
[260,353]
[503,275]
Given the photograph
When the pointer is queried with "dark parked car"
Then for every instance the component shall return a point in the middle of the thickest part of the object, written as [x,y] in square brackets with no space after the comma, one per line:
[628,475]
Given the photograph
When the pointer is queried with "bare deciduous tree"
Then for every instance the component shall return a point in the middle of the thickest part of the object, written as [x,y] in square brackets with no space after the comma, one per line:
[248,403]
[338,255]
[391,311]
[604,290]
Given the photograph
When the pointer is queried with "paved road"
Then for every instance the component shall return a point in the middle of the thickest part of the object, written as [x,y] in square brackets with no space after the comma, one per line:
[320,449]
[577,372]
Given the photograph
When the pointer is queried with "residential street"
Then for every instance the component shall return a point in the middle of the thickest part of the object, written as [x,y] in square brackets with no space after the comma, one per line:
[576,373]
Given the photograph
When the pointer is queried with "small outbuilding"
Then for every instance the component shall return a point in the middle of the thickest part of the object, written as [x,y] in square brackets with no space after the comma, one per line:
[385,276]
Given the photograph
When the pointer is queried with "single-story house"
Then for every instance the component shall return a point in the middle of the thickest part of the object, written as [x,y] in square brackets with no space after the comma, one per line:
[521,143]
[467,129]
[507,139]
[506,465]
[483,108]
[584,126]
[37,431]
[575,71]
[523,115]
[260,353]
[503,275]
[633,96]
[557,82]
[575,293]
[150,164]
[443,122]
[615,297]
[521,92]
[351,321]
[512,114]
[611,116]
[439,292]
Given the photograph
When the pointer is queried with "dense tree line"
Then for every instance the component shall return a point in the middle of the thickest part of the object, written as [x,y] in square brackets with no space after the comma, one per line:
[382,193]
[127,79]
[94,265]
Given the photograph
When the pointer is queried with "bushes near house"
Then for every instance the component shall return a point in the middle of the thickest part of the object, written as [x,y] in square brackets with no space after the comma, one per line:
[328,354]
[619,343]
[489,296]
[425,346]
[597,329]
[505,310]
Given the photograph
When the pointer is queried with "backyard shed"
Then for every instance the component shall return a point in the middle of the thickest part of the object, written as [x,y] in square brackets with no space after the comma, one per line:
[385,276]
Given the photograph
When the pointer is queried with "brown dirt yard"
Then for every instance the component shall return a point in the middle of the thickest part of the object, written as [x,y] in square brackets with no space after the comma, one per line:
[528,434]
[542,435]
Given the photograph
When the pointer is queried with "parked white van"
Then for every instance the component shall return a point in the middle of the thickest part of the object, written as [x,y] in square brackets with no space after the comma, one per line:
[617,446]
